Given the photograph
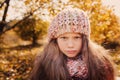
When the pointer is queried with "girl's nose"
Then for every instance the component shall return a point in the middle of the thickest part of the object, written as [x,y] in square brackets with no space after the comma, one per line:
[70,43]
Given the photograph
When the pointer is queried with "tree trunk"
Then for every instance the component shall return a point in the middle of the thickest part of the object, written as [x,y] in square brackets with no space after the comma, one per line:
[2,24]
[34,39]
[6,10]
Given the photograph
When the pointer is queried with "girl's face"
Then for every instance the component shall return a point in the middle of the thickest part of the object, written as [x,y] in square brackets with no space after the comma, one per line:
[70,43]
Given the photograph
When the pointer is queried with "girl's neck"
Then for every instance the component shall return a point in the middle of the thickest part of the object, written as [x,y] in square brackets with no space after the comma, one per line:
[76,57]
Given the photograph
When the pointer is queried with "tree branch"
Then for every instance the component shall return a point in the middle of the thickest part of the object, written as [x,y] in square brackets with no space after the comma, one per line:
[26,17]
[6,9]
[2,4]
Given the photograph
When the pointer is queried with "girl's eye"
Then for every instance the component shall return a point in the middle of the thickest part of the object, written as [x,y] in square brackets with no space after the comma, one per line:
[77,37]
[64,38]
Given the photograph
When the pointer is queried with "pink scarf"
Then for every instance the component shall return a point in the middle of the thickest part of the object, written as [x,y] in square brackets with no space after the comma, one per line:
[77,68]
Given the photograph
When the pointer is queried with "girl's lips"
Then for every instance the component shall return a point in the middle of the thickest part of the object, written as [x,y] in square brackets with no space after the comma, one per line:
[71,51]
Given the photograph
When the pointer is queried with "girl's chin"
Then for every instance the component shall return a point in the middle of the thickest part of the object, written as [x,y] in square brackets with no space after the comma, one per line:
[71,56]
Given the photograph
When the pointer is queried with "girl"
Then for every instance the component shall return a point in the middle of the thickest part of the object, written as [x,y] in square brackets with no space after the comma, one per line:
[70,54]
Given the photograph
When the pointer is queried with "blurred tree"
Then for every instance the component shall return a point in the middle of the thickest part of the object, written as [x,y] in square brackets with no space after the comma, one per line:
[32,29]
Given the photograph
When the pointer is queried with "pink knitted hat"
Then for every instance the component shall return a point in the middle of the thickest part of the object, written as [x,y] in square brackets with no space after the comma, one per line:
[69,20]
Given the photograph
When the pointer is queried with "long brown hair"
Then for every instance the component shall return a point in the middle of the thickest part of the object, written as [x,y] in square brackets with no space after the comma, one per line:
[100,66]
[51,63]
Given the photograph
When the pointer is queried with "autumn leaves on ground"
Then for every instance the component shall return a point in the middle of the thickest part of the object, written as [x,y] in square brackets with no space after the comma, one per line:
[22,37]
[16,61]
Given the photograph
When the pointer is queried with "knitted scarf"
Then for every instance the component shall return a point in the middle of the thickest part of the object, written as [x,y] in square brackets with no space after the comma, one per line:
[77,67]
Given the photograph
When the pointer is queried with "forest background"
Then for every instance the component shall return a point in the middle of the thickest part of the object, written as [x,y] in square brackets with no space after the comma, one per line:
[24,24]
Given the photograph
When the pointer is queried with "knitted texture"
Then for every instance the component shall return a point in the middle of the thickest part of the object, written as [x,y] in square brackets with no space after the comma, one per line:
[77,68]
[69,20]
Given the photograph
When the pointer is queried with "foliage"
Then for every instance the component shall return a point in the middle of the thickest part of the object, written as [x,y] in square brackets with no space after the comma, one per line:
[115,53]
[15,66]
[31,28]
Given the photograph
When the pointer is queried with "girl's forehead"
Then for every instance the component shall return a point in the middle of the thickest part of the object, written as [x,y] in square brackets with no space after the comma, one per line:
[70,34]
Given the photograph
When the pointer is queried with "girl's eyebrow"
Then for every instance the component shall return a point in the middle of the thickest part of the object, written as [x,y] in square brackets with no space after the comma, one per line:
[79,35]
[62,36]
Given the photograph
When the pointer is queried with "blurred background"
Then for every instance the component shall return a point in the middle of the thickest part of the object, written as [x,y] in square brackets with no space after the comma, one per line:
[23,29]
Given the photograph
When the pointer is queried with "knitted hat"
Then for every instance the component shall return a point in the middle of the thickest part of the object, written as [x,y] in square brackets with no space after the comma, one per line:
[69,20]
